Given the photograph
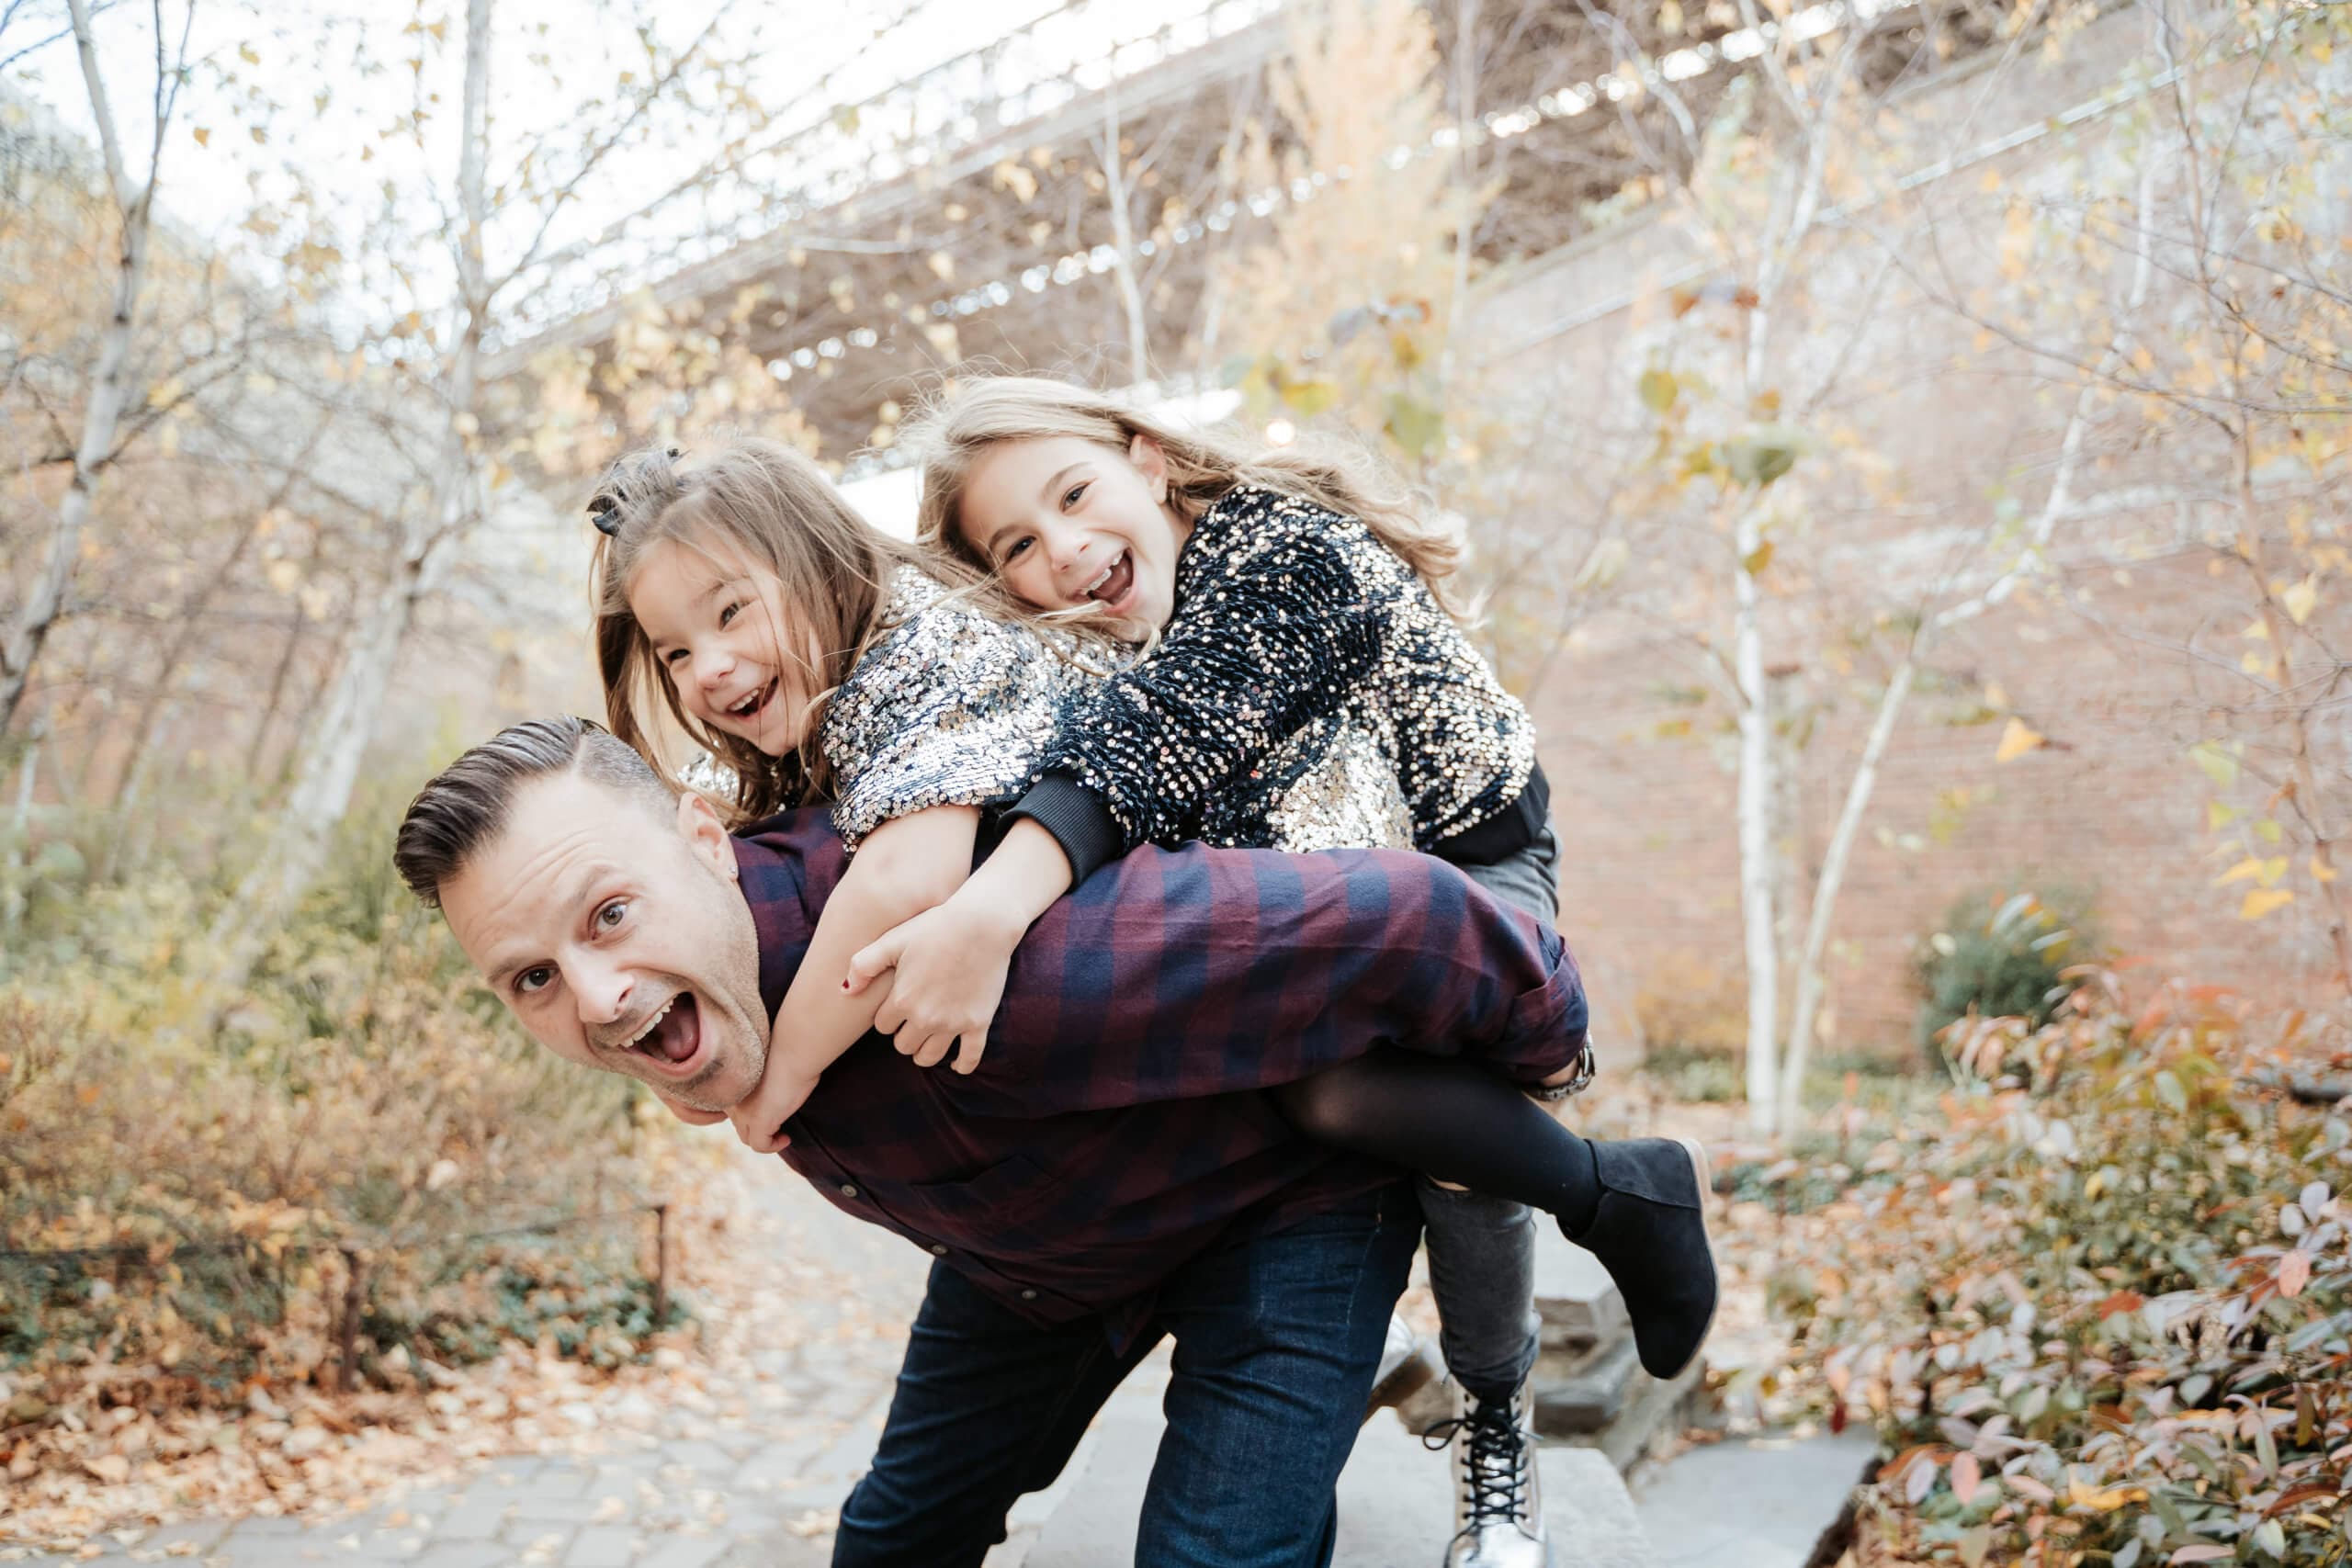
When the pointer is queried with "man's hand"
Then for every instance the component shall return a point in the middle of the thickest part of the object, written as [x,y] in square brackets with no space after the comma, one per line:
[950,975]
[760,1116]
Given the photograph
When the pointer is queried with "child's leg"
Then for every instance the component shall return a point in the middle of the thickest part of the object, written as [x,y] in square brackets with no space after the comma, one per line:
[1453,1120]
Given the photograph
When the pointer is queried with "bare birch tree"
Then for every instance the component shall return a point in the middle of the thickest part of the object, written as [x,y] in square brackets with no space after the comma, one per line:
[458,466]
[111,375]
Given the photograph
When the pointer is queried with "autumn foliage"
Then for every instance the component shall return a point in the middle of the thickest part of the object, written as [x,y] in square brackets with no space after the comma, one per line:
[2099,1307]
[186,1192]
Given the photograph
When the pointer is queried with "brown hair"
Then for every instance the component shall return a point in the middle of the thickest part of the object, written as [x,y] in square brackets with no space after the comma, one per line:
[466,804]
[780,513]
[956,426]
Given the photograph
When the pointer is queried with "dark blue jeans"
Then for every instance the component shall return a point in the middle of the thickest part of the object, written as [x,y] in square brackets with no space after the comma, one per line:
[1277,1337]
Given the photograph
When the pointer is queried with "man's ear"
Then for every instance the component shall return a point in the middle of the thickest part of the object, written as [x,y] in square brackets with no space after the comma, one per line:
[706,835]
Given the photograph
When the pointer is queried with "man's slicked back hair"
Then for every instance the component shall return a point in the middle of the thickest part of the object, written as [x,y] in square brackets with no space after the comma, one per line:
[468,803]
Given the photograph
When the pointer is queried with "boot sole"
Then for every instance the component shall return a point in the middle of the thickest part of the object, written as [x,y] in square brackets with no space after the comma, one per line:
[1703,1173]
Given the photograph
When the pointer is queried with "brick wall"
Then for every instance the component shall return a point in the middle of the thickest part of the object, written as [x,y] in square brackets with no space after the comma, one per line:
[2122,668]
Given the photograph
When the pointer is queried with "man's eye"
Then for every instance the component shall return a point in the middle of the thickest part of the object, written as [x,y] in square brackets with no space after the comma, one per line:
[1070,496]
[610,917]
[531,980]
[1014,553]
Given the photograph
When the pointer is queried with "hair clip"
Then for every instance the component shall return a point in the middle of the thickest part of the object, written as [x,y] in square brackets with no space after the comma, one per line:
[606,512]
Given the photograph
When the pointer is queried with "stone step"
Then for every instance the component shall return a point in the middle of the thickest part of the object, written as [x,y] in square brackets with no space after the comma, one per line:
[1395,1503]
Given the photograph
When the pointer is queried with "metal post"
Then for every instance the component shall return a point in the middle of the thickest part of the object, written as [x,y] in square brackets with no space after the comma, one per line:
[660,1265]
[346,1371]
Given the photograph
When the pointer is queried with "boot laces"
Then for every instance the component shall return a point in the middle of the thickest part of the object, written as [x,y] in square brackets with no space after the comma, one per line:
[1493,1481]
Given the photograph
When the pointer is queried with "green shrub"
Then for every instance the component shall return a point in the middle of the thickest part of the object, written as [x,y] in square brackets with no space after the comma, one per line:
[2001,956]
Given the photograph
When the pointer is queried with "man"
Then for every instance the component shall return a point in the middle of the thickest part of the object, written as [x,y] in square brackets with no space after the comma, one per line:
[1110,1173]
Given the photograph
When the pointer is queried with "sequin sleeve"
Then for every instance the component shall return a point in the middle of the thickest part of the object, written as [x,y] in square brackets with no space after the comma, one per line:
[946,708]
[1274,631]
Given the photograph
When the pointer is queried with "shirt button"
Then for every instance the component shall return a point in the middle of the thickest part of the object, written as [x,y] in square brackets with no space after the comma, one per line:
[1028,1295]
[937,1250]
[849,1188]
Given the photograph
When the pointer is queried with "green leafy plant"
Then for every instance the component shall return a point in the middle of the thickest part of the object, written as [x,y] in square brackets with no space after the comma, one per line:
[2000,955]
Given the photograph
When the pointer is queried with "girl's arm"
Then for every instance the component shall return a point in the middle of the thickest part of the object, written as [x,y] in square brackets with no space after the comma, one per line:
[952,961]
[906,866]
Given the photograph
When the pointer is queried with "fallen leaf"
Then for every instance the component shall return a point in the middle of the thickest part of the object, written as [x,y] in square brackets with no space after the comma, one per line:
[2017,740]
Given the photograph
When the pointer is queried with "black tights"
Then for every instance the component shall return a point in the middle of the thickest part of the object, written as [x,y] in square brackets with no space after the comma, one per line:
[1450,1120]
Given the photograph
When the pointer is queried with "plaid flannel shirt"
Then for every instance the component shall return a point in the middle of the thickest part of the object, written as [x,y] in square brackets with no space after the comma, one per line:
[1116,1128]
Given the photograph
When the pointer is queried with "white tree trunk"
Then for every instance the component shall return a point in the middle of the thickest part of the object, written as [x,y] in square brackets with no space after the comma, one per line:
[2056,507]
[21,641]
[1757,918]
[345,721]
[1123,242]
[1806,1011]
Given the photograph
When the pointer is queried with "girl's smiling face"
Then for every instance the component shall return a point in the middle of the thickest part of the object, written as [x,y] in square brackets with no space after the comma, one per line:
[1069,523]
[723,636]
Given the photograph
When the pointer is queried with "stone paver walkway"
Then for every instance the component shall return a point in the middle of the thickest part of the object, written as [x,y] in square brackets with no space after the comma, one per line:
[1749,1502]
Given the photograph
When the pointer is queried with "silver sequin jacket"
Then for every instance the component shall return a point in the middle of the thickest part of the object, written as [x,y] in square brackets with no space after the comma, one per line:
[1301,648]
[949,708]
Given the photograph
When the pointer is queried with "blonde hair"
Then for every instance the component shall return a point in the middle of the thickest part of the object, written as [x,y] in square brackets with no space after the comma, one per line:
[782,514]
[955,428]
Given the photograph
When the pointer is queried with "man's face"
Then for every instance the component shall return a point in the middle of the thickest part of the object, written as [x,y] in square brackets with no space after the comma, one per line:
[619,938]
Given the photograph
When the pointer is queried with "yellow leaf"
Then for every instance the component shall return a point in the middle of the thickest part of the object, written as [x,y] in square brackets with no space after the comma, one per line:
[246,52]
[2219,814]
[165,392]
[1996,696]
[2301,599]
[2260,901]
[1991,181]
[1756,560]
[2321,871]
[2239,872]
[284,575]
[2017,740]
[941,264]
[203,134]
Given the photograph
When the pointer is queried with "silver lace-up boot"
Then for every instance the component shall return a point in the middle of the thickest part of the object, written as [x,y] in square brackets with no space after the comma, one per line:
[1497,1505]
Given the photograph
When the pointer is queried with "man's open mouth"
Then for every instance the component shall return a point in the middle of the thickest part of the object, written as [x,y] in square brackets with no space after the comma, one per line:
[671,1041]
[1117,581]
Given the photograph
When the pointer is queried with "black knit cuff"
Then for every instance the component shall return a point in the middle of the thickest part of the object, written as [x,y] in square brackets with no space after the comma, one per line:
[1079,821]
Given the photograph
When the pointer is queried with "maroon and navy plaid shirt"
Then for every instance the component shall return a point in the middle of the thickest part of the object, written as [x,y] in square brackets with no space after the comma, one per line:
[1116,1127]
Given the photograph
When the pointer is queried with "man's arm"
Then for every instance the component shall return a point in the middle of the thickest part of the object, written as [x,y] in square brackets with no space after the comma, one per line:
[1176,975]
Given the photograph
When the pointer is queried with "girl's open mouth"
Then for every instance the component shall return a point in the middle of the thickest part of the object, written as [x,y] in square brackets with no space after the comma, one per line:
[749,710]
[671,1041]
[1118,582]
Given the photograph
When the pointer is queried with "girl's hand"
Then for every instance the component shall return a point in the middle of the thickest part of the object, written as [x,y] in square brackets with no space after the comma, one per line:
[760,1116]
[950,966]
